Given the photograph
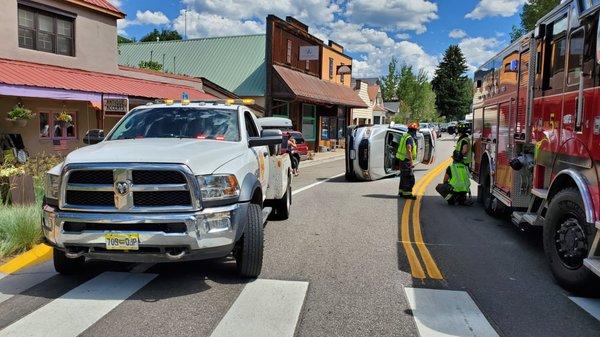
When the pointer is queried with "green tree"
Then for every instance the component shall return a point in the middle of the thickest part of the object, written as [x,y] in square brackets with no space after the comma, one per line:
[123,39]
[417,99]
[163,35]
[453,89]
[516,33]
[152,65]
[533,10]
[389,83]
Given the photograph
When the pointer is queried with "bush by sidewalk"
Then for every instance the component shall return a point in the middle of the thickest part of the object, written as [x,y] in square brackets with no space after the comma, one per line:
[19,228]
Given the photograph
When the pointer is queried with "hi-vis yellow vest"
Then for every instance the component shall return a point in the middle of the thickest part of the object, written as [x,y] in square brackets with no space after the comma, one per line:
[467,157]
[401,153]
[460,180]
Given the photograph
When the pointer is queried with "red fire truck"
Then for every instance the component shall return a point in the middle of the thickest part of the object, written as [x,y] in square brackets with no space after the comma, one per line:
[536,138]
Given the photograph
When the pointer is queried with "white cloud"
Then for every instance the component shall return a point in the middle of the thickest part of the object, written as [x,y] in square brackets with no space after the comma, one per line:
[204,24]
[310,12]
[485,8]
[402,36]
[116,3]
[151,18]
[121,25]
[393,14]
[478,50]
[457,34]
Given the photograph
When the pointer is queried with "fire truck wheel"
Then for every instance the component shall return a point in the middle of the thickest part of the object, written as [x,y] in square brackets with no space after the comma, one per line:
[567,240]
[490,204]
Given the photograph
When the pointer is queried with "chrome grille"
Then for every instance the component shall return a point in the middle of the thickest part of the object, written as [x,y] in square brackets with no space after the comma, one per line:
[129,188]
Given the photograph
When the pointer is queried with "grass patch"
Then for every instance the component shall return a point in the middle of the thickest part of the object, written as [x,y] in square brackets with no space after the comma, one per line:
[20,228]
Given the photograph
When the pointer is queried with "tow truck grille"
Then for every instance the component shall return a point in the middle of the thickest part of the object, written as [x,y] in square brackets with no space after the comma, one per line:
[124,189]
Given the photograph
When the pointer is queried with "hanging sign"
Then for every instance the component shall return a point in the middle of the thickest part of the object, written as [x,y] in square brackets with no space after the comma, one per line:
[115,107]
[309,53]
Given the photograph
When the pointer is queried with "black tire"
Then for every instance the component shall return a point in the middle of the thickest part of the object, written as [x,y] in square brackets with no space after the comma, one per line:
[350,177]
[567,240]
[491,206]
[282,207]
[67,266]
[249,249]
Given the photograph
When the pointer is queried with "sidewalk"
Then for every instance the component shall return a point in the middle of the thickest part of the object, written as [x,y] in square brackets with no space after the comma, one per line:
[323,157]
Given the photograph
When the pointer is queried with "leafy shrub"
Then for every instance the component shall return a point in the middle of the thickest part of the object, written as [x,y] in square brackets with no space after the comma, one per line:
[19,112]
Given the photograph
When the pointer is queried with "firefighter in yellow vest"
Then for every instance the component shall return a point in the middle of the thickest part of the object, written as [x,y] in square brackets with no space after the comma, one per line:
[463,145]
[407,154]
[457,182]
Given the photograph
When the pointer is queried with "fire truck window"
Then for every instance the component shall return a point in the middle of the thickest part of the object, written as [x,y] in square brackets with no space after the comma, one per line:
[558,56]
[575,56]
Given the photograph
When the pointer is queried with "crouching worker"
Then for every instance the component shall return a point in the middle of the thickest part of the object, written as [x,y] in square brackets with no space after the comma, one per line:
[456,188]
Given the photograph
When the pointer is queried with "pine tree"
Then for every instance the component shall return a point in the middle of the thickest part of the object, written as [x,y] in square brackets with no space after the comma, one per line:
[453,89]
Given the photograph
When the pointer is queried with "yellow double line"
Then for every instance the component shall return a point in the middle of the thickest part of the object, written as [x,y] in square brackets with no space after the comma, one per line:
[415,265]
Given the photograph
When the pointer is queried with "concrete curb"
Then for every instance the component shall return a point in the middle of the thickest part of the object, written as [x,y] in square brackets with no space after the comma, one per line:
[38,254]
[309,163]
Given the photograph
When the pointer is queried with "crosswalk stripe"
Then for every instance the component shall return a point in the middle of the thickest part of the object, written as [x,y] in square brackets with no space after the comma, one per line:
[447,313]
[78,309]
[264,308]
[13,284]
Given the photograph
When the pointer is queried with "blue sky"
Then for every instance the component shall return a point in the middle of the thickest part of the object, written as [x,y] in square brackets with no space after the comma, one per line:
[415,31]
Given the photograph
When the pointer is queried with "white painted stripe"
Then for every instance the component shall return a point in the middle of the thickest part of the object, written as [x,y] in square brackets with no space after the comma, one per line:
[302,189]
[264,308]
[591,305]
[14,284]
[141,267]
[77,310]
[447,313]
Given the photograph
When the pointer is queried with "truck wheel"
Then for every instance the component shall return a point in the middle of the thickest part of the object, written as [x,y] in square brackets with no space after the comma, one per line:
[249,249]
[567,241]
[282,206]
[490,204]
[65,265]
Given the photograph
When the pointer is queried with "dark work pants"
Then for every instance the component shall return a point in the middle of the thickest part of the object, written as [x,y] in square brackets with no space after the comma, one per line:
[407,177]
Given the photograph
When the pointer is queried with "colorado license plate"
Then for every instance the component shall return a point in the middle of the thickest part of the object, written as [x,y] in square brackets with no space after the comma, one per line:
[118,241]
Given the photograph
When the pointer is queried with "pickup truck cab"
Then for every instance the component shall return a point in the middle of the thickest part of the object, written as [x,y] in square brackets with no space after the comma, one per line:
[170,182]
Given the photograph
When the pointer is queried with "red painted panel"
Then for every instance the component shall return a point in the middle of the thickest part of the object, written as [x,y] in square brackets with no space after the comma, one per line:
[503,171]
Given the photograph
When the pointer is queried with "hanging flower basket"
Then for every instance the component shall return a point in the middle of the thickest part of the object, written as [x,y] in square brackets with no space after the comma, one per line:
[19,116]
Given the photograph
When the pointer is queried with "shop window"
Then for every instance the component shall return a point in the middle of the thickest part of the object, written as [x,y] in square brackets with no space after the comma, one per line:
[575,56]
[342,77]
[377,120]
[281,109]
[45,31]
[331,68]
[288,57]
[51,127]
[309,113]
[325,124]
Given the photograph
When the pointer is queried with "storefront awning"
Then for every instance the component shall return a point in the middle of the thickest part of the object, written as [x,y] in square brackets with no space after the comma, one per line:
[312,89]
[26,74]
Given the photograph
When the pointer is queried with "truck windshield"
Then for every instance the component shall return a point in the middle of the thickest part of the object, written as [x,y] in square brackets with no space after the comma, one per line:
[179,122]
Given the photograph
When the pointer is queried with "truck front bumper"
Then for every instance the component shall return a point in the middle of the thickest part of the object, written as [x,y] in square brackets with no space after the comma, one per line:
[210,233]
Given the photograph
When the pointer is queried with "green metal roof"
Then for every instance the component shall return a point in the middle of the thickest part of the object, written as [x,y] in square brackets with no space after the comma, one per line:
[236,63]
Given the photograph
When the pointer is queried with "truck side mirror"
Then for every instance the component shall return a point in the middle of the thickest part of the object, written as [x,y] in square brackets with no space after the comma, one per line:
[267,137]
[93,136]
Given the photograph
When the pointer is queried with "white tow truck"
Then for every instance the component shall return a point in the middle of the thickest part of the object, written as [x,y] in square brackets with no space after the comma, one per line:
[172,181]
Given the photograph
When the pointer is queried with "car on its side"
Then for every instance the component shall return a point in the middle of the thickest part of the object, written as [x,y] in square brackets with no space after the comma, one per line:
[371,150]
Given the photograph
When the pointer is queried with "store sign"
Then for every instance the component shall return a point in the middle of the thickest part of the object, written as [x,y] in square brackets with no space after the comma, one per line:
[309,53]
[116,106]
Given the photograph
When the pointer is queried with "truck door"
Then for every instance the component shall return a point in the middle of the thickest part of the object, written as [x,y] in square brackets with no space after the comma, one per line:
[261,152]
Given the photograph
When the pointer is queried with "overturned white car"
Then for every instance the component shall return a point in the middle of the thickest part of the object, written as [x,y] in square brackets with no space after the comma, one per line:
[371,150]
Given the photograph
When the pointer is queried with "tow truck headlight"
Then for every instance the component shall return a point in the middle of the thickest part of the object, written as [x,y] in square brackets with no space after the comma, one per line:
[218,187]
[51,188]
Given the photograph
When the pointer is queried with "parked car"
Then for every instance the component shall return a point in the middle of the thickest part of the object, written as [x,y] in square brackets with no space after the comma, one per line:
[170,182]
[285,125]
[444,127]
[371,150]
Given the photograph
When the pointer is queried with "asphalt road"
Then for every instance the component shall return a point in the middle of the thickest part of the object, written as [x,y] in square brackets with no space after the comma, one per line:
[337,267]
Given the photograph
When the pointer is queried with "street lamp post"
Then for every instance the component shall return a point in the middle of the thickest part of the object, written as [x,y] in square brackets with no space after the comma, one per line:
[185,24]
